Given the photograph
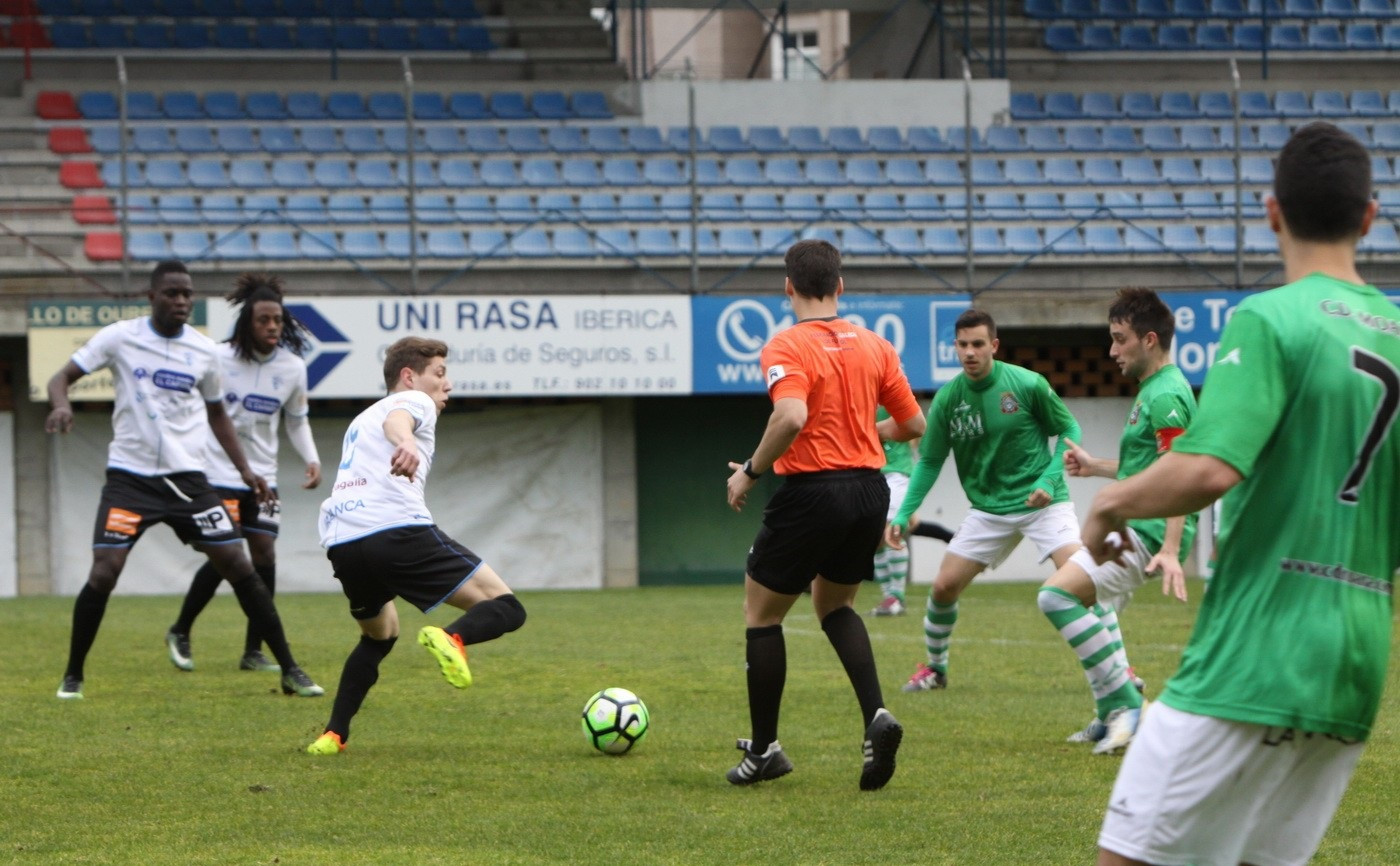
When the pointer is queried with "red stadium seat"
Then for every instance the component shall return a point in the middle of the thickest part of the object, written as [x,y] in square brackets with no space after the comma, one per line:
[93,210]
[57,105]
[103,246]
[69,139]
[80,175]
[30,33]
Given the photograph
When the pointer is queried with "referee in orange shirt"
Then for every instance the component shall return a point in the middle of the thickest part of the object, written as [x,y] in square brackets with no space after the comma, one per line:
[825,377]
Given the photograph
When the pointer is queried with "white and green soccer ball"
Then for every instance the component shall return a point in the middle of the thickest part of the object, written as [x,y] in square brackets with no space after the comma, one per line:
[614,720]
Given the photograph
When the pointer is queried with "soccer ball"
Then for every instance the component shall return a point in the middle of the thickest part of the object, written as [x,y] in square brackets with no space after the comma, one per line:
[614,720]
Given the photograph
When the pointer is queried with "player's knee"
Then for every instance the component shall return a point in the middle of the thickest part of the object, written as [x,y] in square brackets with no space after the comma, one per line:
[513,612]
[103,580]
[1048,600]
[376,646]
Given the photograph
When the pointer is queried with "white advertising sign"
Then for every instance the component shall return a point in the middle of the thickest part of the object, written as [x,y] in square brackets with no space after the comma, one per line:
[501,345]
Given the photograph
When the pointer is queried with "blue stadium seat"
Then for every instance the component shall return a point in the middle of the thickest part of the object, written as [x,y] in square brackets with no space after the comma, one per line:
[1152,9]
[276,244]
[661,171]
[1060,37]
[172,208]
[550,105]
[1375,8]
[1065,241]
[1386,136]
[499,173]
[958,138]
[148,246]
[1062,171]
[622,172]
[190,244]
[320,139]
[430,106]
[767,139]
[1381,170]
[109,34]
[151,139]
[69,34]
[1003,205]
[216,208]
[516,207]
[473,38]
[1142,239]
[1180,170]
[806,139]
[1098,105]
[708,172]
[306,106]
[361,139]
[386,106]
[1272,136]
[596,207]
[719,207]
[987,241]
[1007,139]
[1119,137]
[432,37]
[1220,238]
[526,139]
[1084,138]
[318,244]
[1023,240]
[1137,37]
[1174,37]
[944,241]
[903,171]
[469,106]
[858,240]
[248,173]
[1079,8]
[638,207]
[744,171]
[540,172]
[393,208]
[590,105]
[784,171]
[1159,204]
[1181,238]
[865,172]
[343,105]
[1227,9]
[1044,205]
[351,37]
[312,37]
[1259,239]
[1140,106]
[363,244]
[263,207]
[581,172]
[1292,103]
[774,240]
[1179,105]
[1254,103]
[616,242]
[843,205]
[261,105]
[1301,8]
[1026,106]
[1362,37]
[1189,9]
[1139,169]
[1017,170]
[845,139]
[1357,130]
[195,139]
[1326,37]
[938,172]
[1098,37]
[182,105]
[1197,137]
[1215,104]
[1103,239]
[573,242]
[1381,239]
[727,139]
[927,139]
[347,207]
[1286,37]
[656,241]
[531,243]
[142,105]
[761,206]
[825,172]
[1161,138]
[473,207]
[333,174]
[884,206]
[270,35]
[563,139]
[738,241]
[394,37]
[1042,9]
[485,139]
[1063,105]
[802,206]
[306,208]
[1248,37]
[509,105]
[105,139]
[639,139]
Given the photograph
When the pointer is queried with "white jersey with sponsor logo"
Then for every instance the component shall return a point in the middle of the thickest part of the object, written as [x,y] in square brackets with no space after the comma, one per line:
[161,383]
[256,394]
[365,498]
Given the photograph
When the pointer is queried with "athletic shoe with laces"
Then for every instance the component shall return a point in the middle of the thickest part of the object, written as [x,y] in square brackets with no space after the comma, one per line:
[450,654]
[1090,733]
[296,682]
[1121,724]
[881,742]
[890,606]
[179,646]
[256,661]
[925,679]
[772,764]
[71,689]
[327,744]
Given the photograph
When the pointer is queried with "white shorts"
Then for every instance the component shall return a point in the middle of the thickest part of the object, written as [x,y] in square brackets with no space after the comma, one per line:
[1115,583]
[898,482]
[1204,791]
[990,538]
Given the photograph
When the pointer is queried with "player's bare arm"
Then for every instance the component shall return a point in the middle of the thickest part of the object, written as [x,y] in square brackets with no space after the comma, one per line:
[398,429]
[788,418]
[908,430]
[1168,560]
[1079,463]
[1176,484]
[60,419]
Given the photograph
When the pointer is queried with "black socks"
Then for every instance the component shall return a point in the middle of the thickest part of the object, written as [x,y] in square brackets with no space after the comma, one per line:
[488,620]
[88,610]
[361,672]
[766,654]
[849,638]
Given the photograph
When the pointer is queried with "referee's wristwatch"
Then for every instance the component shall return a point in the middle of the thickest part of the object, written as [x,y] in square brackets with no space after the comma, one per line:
[748,470]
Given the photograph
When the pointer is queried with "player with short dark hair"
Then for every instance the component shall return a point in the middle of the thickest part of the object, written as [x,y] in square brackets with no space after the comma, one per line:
[995,418]
[383,544]
[1083,598]
[264,382]
[825,377]
[1249,749]
[168,402]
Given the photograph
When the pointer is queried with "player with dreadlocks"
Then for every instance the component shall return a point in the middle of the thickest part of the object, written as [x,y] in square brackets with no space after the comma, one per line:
[264,380]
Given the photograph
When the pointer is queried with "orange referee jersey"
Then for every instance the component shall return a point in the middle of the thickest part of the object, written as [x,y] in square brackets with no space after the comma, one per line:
[842,372]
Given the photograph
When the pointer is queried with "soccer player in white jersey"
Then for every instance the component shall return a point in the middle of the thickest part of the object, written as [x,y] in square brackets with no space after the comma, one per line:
[1246,754]
[168,399]
[382,542]
[264,381]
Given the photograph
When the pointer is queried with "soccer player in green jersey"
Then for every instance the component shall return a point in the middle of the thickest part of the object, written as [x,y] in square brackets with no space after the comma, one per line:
[1247,753]
[995,418]
[892,565]
[1082,598]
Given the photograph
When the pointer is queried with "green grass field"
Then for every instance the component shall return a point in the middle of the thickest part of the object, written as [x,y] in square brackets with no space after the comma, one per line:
[157,766]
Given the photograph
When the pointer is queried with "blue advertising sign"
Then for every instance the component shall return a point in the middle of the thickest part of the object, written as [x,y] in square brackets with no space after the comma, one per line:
[1200,317]
[729,333]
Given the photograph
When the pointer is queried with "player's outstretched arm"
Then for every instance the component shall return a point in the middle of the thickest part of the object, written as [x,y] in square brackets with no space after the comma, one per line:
[1079,463]
[398,429]
[228,440]
[60,419]
[1177,483]
[299,433]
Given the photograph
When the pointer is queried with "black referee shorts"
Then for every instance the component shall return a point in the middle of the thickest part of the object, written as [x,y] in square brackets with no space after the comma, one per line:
[821,523]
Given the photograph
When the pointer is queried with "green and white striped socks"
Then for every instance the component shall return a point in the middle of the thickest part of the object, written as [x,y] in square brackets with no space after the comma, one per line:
[1094,637]
[938,632]
[892,572]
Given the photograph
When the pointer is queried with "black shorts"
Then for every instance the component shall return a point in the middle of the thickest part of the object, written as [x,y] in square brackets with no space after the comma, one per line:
[184,501]
[249,514]
[821,523]
[419,564]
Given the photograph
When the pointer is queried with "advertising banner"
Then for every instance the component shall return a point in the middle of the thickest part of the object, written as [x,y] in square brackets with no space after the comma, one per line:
[502,345]
[731,331]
